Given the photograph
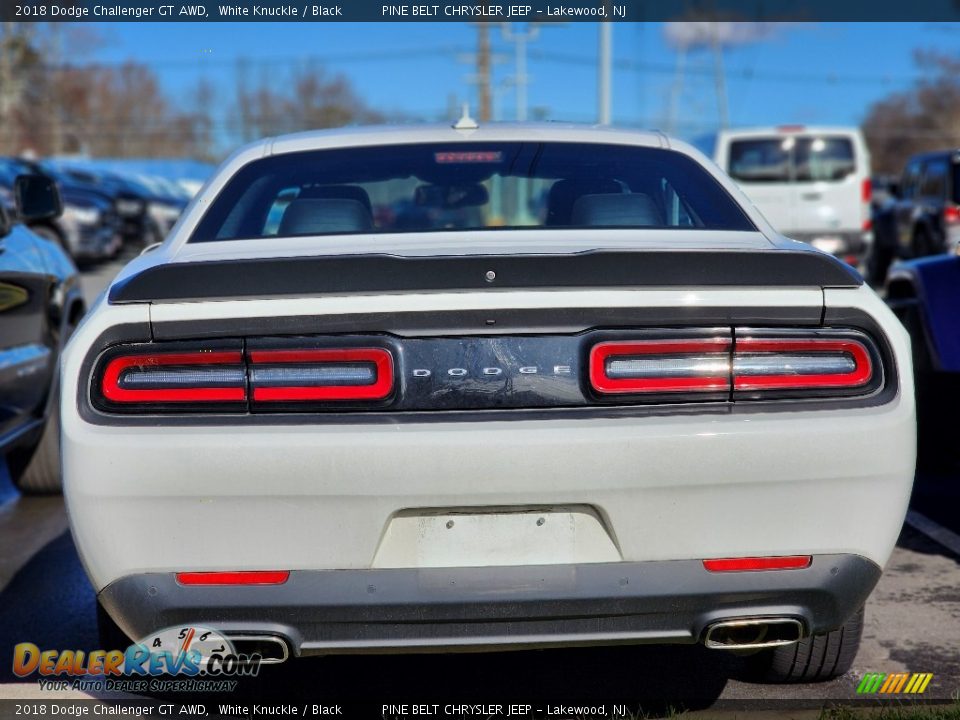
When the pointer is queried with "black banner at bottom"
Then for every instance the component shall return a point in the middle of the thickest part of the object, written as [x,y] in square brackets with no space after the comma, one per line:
[115,707]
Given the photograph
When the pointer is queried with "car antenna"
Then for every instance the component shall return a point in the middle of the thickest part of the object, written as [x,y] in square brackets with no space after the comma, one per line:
[465,122]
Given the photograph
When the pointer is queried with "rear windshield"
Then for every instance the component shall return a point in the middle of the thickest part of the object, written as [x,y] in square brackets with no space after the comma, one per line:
[466,186]
[820,158]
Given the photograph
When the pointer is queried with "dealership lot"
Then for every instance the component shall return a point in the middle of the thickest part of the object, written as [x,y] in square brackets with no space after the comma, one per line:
[913,625]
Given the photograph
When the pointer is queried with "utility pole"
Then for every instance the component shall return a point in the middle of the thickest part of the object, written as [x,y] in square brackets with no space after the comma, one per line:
[483,72]
[604,74]
[719,76]
[520,78]
[676,89]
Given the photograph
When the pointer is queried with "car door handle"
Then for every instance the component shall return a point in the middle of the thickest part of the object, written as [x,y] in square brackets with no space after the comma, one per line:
[812,196]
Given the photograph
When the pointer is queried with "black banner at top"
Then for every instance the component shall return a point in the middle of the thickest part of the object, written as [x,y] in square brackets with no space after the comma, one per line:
[476,10]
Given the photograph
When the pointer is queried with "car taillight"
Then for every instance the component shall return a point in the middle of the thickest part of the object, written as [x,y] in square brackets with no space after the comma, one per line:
[661,366]
[951,214]
[202,376]
[866,190]
[378,373]
[749,365]
[338,375]
[763,364]
[208,376]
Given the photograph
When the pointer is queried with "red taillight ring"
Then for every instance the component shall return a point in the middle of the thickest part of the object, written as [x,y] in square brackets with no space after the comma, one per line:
[110,385]
[380,389]
[861,374]
[603,383]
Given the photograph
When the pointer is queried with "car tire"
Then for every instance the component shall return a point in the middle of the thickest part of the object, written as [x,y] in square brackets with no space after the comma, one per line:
[922,243]
[814,659]
[878,264]
[110,635]
[35,470]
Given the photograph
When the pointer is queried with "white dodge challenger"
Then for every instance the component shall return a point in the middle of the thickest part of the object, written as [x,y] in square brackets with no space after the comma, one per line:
[441,388]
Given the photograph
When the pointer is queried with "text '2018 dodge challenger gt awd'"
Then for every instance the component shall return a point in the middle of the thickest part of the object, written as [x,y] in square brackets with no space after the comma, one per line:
[438,388]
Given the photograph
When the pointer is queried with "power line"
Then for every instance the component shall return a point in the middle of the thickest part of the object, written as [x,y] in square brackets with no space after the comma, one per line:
[560,58]
[633,66]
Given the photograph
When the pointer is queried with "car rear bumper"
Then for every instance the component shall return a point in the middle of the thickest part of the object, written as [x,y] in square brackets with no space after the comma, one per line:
[305,497]
[331,611]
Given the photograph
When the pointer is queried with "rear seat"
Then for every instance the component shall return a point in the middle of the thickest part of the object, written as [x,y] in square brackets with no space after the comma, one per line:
[616,210]
[321,216]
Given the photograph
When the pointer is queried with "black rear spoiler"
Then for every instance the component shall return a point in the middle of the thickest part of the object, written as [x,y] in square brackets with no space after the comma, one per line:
[340,274]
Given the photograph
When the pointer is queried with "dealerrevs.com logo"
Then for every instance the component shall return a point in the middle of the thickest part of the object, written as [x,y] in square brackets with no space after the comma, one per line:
[176,658]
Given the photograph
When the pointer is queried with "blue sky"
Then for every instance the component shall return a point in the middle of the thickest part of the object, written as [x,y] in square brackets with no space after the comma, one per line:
[801,73]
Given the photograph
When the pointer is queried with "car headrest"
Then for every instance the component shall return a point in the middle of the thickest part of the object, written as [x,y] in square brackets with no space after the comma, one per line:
[620,210]
[319,216]
[338,192]
[564,193]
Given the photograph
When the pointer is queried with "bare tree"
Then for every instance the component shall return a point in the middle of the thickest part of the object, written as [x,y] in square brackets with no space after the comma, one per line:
[19,64]
[312,99]
[925,117]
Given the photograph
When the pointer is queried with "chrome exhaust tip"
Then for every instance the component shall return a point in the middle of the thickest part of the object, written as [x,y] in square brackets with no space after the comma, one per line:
[753,633]
[272,649]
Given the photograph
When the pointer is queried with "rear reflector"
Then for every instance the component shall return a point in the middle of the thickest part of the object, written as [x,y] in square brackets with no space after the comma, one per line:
[750,564]
[800,364]
[321,375]
[243,577]
[661,366]
[187,377]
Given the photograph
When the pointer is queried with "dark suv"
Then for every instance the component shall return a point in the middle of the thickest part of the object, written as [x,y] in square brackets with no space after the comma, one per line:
[923,215]
[927,212]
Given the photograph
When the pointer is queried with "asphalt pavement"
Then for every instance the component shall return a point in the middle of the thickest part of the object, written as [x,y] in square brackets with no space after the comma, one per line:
[913,625]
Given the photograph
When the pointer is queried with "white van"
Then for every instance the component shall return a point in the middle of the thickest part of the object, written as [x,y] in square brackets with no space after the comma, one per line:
[811,183]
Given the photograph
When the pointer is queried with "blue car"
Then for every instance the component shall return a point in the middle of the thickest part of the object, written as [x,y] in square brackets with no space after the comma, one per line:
[925,294]
[40,305]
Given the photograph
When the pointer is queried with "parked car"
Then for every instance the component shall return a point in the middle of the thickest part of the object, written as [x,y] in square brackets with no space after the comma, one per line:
[925,293]
[928,206]
[130,201]
[883,220]
[40,305]
[811,183]
[647,418]
[89,226]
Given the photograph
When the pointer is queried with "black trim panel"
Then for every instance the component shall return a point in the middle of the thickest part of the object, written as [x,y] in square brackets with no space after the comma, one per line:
[645,318]
[323,611]
[513,321]
[255,278]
